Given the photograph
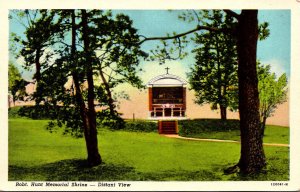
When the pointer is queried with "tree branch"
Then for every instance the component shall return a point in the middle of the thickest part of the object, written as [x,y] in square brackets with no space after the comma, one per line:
[197,16]
[182,34]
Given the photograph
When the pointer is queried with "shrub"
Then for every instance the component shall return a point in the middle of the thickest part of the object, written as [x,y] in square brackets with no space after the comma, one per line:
[197,126]
[13,112]
[38,112]
[33,112]
[141,126]
[113,122]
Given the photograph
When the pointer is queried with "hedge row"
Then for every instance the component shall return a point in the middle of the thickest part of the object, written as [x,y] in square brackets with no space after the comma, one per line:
[141,126]
[186,127]
[13,112]
[197,126]
[33,112]
[48,112]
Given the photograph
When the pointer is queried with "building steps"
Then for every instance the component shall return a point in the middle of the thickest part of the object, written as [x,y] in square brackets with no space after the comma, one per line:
[168,127]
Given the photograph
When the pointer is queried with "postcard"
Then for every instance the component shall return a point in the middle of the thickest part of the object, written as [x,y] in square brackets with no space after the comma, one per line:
[140,96]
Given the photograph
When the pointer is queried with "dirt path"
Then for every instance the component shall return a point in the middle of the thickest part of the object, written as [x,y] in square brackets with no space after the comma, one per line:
[222,141]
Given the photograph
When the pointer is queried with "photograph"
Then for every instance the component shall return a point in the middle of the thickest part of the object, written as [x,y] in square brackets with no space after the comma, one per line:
[193,97]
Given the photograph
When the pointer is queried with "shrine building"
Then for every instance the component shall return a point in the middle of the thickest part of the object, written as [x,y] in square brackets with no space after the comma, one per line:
[167,101]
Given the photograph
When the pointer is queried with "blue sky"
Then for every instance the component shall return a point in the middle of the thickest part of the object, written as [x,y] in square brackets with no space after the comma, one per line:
[275,50]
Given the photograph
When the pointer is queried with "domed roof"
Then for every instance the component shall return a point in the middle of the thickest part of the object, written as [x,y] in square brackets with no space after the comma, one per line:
[166,80]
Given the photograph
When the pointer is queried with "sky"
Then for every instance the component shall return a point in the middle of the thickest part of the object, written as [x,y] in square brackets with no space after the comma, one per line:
[275,50]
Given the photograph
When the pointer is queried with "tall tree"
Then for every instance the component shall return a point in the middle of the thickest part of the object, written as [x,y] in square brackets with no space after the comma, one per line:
[252,157]
[272,92]
[214,75]
[90,131]
[246,29]
[36,47]
[84,43]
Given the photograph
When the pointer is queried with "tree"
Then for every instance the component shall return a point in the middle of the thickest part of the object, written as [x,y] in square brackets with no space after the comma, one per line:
[39,30]
[272,92]
[13,76]
[16,84]
[245,30]
[84,44]
[117,56]
[36,47]
[252,157]
[214,75]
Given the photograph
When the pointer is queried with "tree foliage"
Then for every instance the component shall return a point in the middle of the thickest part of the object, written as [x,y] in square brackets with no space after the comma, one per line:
[80,56]
[214,75]
[16,84]
[13,75]
[272,92]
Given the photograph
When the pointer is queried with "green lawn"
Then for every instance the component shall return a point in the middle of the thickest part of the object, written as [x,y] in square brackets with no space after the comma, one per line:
[273,134]
[36,154]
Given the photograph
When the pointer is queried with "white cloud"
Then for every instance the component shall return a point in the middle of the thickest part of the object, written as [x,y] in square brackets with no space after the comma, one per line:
[20,61]
[52,59]
[28,73]
[277,66]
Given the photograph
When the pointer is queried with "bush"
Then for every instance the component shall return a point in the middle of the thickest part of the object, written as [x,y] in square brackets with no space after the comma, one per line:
[33,112]
[197,126]
[13,112]
[113,122]
[141,126]
[38,112]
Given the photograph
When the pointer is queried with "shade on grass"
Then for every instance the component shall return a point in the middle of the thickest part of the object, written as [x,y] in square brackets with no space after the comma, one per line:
[36,154]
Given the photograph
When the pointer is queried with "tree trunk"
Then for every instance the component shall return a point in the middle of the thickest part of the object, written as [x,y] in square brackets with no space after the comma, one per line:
[252,157]
[9,103]
[37,65]
[263,126]
[94,157]
[223,112]
[37,76]
[219,75]
[110,99]
[89,122]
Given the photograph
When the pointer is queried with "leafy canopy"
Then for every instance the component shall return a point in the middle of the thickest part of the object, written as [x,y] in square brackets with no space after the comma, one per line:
[113,55]
[214,75]
[16,84]
[272,90]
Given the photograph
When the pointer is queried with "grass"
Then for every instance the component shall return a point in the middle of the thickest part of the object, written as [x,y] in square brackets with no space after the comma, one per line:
[273,134]
[36,154]
[215,129]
